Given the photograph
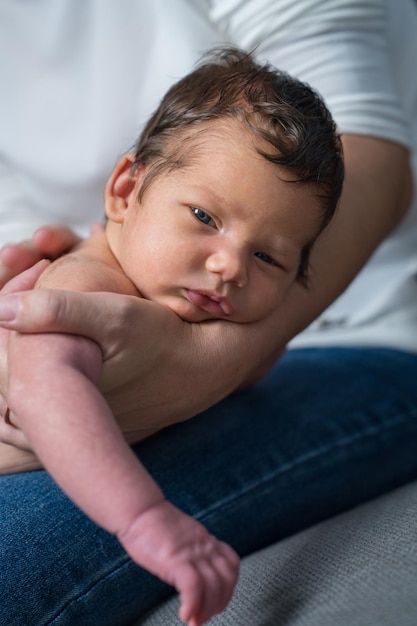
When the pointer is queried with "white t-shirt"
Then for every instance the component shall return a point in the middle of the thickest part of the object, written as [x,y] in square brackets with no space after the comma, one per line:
[361,56]
[78,78]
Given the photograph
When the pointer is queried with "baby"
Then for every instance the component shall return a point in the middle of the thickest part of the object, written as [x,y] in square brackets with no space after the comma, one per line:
[213,215]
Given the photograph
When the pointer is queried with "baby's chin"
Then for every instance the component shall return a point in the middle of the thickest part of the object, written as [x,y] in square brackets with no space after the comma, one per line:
[193,314]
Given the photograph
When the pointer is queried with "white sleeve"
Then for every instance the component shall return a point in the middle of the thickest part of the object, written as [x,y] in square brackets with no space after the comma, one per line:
[343,49]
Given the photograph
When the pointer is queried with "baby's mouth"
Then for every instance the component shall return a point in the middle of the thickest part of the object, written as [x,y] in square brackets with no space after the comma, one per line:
[211,302]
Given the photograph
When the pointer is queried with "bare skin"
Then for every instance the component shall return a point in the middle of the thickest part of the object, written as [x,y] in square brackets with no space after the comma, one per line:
[215,259]
[63,371]
[376,196]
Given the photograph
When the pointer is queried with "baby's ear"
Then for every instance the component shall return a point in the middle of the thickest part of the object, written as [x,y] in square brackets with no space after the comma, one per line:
[121,184]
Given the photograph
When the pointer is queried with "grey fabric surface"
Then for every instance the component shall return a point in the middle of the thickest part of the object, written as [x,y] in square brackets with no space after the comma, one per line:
[357,569]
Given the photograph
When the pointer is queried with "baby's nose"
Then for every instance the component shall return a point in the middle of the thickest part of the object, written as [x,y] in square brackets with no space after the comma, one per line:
[230,264]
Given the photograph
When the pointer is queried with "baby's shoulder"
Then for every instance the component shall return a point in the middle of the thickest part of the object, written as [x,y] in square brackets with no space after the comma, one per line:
[88,267]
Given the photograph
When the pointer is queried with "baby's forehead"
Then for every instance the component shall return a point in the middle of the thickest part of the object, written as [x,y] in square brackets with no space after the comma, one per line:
[200,139]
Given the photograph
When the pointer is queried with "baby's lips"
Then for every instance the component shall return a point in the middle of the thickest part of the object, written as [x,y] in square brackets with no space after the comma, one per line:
[216,305]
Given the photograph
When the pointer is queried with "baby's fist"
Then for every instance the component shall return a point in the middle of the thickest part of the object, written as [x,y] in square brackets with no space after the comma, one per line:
[181,552]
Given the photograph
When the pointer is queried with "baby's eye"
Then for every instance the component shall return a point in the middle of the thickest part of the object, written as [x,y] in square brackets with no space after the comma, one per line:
[202,216]
[265,258]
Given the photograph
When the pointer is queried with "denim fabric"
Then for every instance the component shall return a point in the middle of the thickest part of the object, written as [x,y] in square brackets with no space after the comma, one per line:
[329,428]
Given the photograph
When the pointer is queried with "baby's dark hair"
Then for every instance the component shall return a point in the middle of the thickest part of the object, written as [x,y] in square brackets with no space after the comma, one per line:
[284,112]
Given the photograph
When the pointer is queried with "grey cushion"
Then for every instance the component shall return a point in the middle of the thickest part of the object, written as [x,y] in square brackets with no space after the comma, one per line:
[357,569]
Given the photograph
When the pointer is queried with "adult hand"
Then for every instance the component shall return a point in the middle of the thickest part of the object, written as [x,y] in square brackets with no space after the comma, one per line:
[157,369]
[48,242]
[8,433]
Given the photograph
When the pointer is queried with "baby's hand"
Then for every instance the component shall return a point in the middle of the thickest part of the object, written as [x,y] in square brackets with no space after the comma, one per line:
[182,553]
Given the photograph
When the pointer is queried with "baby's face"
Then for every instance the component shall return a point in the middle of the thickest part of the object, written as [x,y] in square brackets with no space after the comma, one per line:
[222,237]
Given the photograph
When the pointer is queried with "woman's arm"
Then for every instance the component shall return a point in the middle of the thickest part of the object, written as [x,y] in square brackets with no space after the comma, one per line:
[188,367]
[351,53]
[376,196]
[197,365]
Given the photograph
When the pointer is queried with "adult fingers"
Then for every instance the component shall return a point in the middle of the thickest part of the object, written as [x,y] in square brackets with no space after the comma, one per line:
[25,280]
[8,303]
[15,258]
[13,436]
[99,316]
[47,242]
[53,240]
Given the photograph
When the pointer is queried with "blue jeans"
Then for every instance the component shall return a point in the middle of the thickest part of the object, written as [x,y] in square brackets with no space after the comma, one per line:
[326,430]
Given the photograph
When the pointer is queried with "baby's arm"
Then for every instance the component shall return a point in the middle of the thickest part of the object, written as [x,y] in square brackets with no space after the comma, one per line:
[55,401]
[72,430]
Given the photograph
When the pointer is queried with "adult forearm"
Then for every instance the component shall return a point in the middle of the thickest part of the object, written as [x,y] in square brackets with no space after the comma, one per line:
[182,368]
[375,198]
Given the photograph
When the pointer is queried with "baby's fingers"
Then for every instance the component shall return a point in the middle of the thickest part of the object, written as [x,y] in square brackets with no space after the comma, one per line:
[209,585]
[191,590]
[226,563]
